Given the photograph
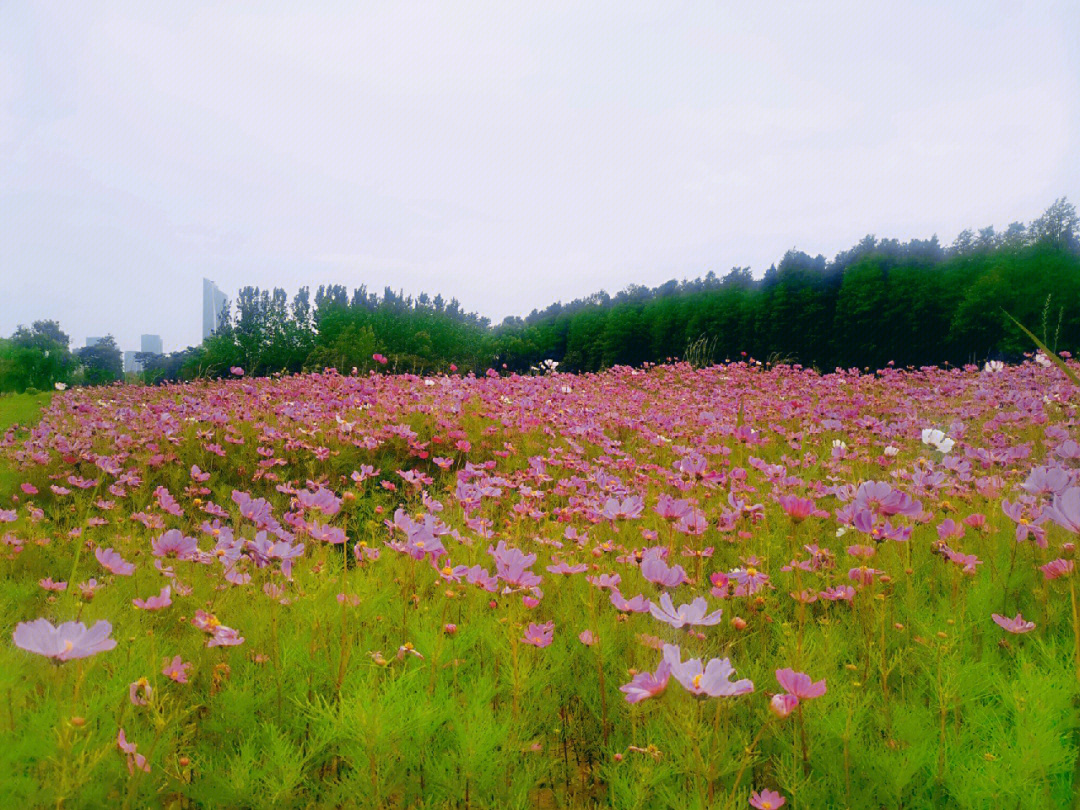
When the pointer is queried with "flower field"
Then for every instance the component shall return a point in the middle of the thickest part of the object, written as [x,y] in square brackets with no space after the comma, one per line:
[649,588]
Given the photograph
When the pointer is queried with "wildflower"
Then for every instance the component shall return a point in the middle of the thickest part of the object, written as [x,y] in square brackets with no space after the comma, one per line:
[49,585]
[691,614]
[88,589]
[68,641]
[174,544]
[176,670]
[654,569]
[767,800]
[113,562]
[539,635]
[783,704]
[937,439]
[993,367]
[162,600]
[647,684]
[712,679]
[636,605]
[134,758]
[1065,510]
[407,649]
[1057,568]
[450,629]
[798,684]
[1015,625]
[142,685]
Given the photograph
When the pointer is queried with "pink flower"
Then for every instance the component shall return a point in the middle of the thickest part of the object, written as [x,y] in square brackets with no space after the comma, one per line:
[142,685]
[647,684]
[174,544]
[712,679]
[691,614]
[68,641]
[1015,625]
[134,758]
[378,358]
[162,600]
[587,638]
[236,371]
[49,585]
[113,562]
[1052,570]
[539,635]
[783,704]
[799,685]
[767,800]
[176,670]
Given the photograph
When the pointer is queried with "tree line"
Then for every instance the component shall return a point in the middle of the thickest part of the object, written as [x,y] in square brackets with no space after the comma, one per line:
[910,303]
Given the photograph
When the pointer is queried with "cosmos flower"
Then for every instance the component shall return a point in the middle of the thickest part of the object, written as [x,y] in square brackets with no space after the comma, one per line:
[113,562]
[712,679]
[176,669]
[68,641]
[162,600]
[539,635]
[1016,625]
[767,800]
[134,758]
[691,614]
[647,684]
[798,684]
[937,439]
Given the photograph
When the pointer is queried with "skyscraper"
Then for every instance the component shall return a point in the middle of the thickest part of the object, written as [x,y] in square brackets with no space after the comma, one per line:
[92,341]
[131,364]
[213,301]
[151,344]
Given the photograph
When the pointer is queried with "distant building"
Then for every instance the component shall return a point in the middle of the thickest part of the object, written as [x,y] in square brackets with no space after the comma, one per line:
[151,344]
[131,364]
[213,301]
[93,341]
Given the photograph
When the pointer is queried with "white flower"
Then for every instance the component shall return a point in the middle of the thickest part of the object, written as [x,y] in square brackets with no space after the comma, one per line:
[1042,360]
[993,366]
[60,386]
[937,439]
[429,383]
[839,444]
[891,451]
[840,532]
[566,389]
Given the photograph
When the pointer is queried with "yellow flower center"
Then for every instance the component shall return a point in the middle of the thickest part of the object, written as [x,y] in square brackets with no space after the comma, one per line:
[68,646]
[697,681]
[751,572]
[448,570]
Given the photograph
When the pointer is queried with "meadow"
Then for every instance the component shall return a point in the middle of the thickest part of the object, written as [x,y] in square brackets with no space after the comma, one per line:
[659,587]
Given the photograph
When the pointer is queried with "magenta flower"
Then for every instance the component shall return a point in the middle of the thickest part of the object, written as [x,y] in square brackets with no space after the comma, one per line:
[654,569]
[587,637]
[1016,625]
[225,637]
[712,679]
[647,684]
[767,800]
[691,614]
[799,509]
[783,704]
[113,562]
[539,635]
[639,604]
[68,641]
[176,670]
[798,684]
[162,600]
[134,758]
[1057,568]
[174,544]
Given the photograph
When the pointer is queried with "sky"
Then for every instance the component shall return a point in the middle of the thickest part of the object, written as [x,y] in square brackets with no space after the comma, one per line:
[509,155]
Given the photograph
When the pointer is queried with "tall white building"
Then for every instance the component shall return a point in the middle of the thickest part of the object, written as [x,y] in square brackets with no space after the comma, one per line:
[92,341]
[151,344]
[131,364]
[213,301]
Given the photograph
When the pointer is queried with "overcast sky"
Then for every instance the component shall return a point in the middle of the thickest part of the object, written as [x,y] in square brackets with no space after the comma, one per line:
[509,155]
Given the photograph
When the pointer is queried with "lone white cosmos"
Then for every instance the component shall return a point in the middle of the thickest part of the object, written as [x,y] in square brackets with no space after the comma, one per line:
[937,439]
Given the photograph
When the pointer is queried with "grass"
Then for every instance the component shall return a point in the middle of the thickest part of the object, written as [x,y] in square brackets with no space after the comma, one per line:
[23,410]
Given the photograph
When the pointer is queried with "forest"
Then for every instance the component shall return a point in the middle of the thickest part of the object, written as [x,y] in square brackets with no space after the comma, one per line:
[914,303]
